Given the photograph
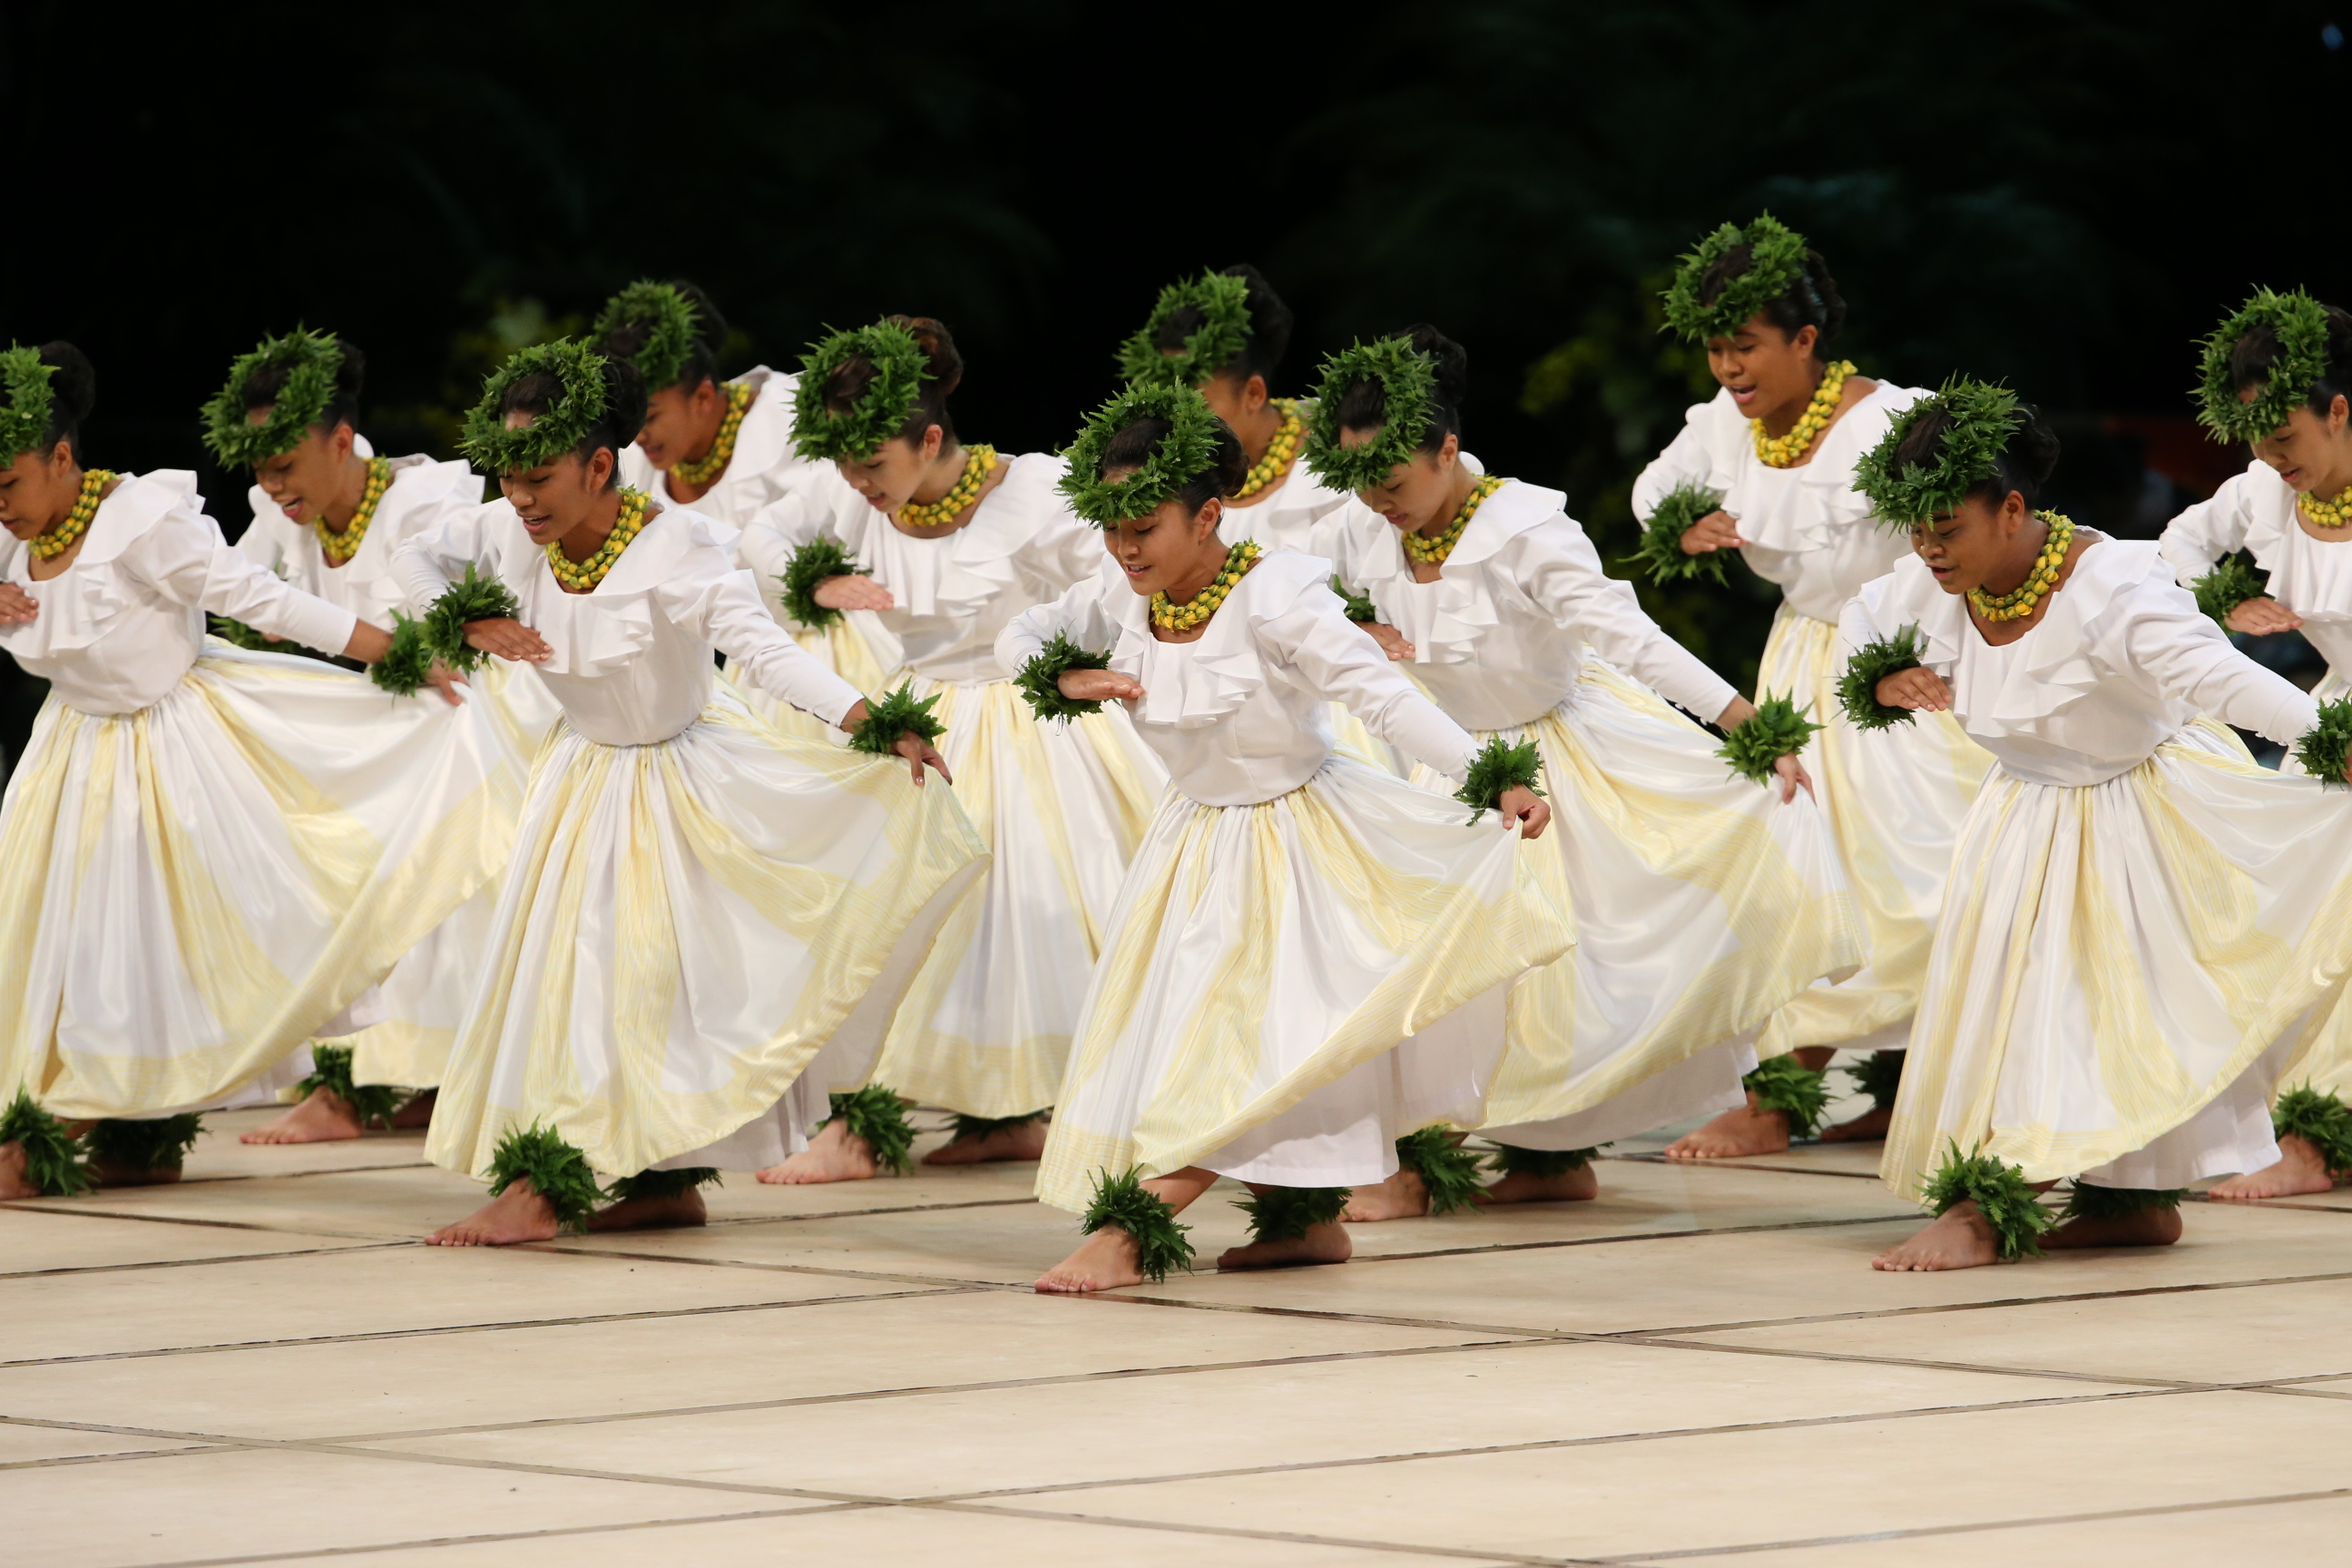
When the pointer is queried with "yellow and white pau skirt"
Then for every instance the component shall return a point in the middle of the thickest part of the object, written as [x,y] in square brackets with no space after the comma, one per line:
[1287,988]
[682,927]
[1894,798]
[189,892]
[2121,977]
[985,1028]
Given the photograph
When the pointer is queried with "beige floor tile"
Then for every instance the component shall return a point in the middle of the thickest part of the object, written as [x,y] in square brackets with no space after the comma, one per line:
[425,1382]
[398,1203]
[892,1536]
[240,1502]
[2201,1336]
[24,1445]
[1689,1494]
[950,1444]
[2312,1532]
[218,1156]
[33,1240]
[367,1291]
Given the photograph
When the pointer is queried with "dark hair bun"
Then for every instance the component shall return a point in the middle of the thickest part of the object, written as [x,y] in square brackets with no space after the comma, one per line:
[1453,363]
[624,403]
[2033,448]
[941,360]
[74,383]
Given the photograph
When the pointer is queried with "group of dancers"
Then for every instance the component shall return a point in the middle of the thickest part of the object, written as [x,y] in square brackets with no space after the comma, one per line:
[1260,788]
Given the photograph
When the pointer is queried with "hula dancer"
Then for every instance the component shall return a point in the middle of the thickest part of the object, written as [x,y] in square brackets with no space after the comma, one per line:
[1308,957]
[985,1029]
[327,515]
[2277,375]
[1767,469]
[704,924]
[2148,917]
[1702,902]
[206,853]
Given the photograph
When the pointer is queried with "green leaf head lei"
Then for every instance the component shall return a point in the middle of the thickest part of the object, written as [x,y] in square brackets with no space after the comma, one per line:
[1187,451]
[1407,378]
[24,377]
[667,318]
[310,361]
[1776,259]
[2298,326]
[1223,304]
[579,370]
[881,411]
[1982,417]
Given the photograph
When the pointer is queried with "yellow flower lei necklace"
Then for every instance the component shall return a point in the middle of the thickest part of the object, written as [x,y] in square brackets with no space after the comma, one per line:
[1780,451]
[1171,616]
[979,462]
[713,463]
[2333,513]
[1434,551]
[64,536]
[1280,452]
[2018,602]
[338,548]
[581,576]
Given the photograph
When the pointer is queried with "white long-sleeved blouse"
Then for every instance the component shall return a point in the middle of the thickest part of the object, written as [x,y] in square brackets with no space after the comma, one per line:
[1807,528]
[1241,714]
[2256,510]
[762,467]
[630,660]
[122,625]
[421,493]
[2120,660]
[953,592]
[1499,637]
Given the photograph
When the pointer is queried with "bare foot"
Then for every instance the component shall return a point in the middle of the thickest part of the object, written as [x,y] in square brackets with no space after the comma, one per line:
[834,1154]
[1744,1129]
[417,1112]
[1870,1127]
[107,1173]
[2149,1227]
[1960,1239]
[1579,1185]
[681,1212]
[1024,1141]
[2299,1169]
[519,1214]
[1321,1244]
[1402,1196]
[1104,1261]
[325,1117]
[13,1183]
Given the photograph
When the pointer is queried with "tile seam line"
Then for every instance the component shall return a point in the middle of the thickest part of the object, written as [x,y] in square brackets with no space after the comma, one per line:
[192,1262]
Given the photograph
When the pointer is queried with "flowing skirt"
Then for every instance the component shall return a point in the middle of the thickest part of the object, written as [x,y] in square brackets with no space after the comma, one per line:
[1287,988]
[1895,799]
[2121,955]
[1701,902]
[191,891]
[985,1028]
[684,926]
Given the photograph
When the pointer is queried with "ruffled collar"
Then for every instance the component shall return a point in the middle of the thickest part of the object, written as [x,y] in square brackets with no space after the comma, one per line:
[762,442]
[1444,620]
[954,575]
[2310,577]
[1189,685]
[1793,510]
[587,633]
[78,603]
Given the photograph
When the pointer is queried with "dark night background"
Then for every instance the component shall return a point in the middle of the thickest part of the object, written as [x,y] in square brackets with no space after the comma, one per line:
[2065,195]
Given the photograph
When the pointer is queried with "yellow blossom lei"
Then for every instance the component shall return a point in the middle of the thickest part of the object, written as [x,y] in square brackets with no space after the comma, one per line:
[713,463]
[1169,616]
[2017,604]
[1432,552]
[1780,451]
[579,577]
[65,535]
[340,547]
[2333,513]
[979,462]
[1280,452]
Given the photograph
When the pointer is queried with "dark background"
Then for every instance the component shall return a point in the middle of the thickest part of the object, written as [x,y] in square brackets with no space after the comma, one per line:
[2062,195]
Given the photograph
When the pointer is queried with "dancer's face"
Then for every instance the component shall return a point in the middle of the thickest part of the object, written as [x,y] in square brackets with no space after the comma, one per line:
[559,498]
[681,421]
[1978,543]
[888,478]
[38,489]
[1765,368]
[1416,493]
[2310,451]
[1171,549]
[304,477]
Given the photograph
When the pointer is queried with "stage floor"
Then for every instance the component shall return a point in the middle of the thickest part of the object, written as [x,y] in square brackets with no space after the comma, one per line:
[260,1365]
